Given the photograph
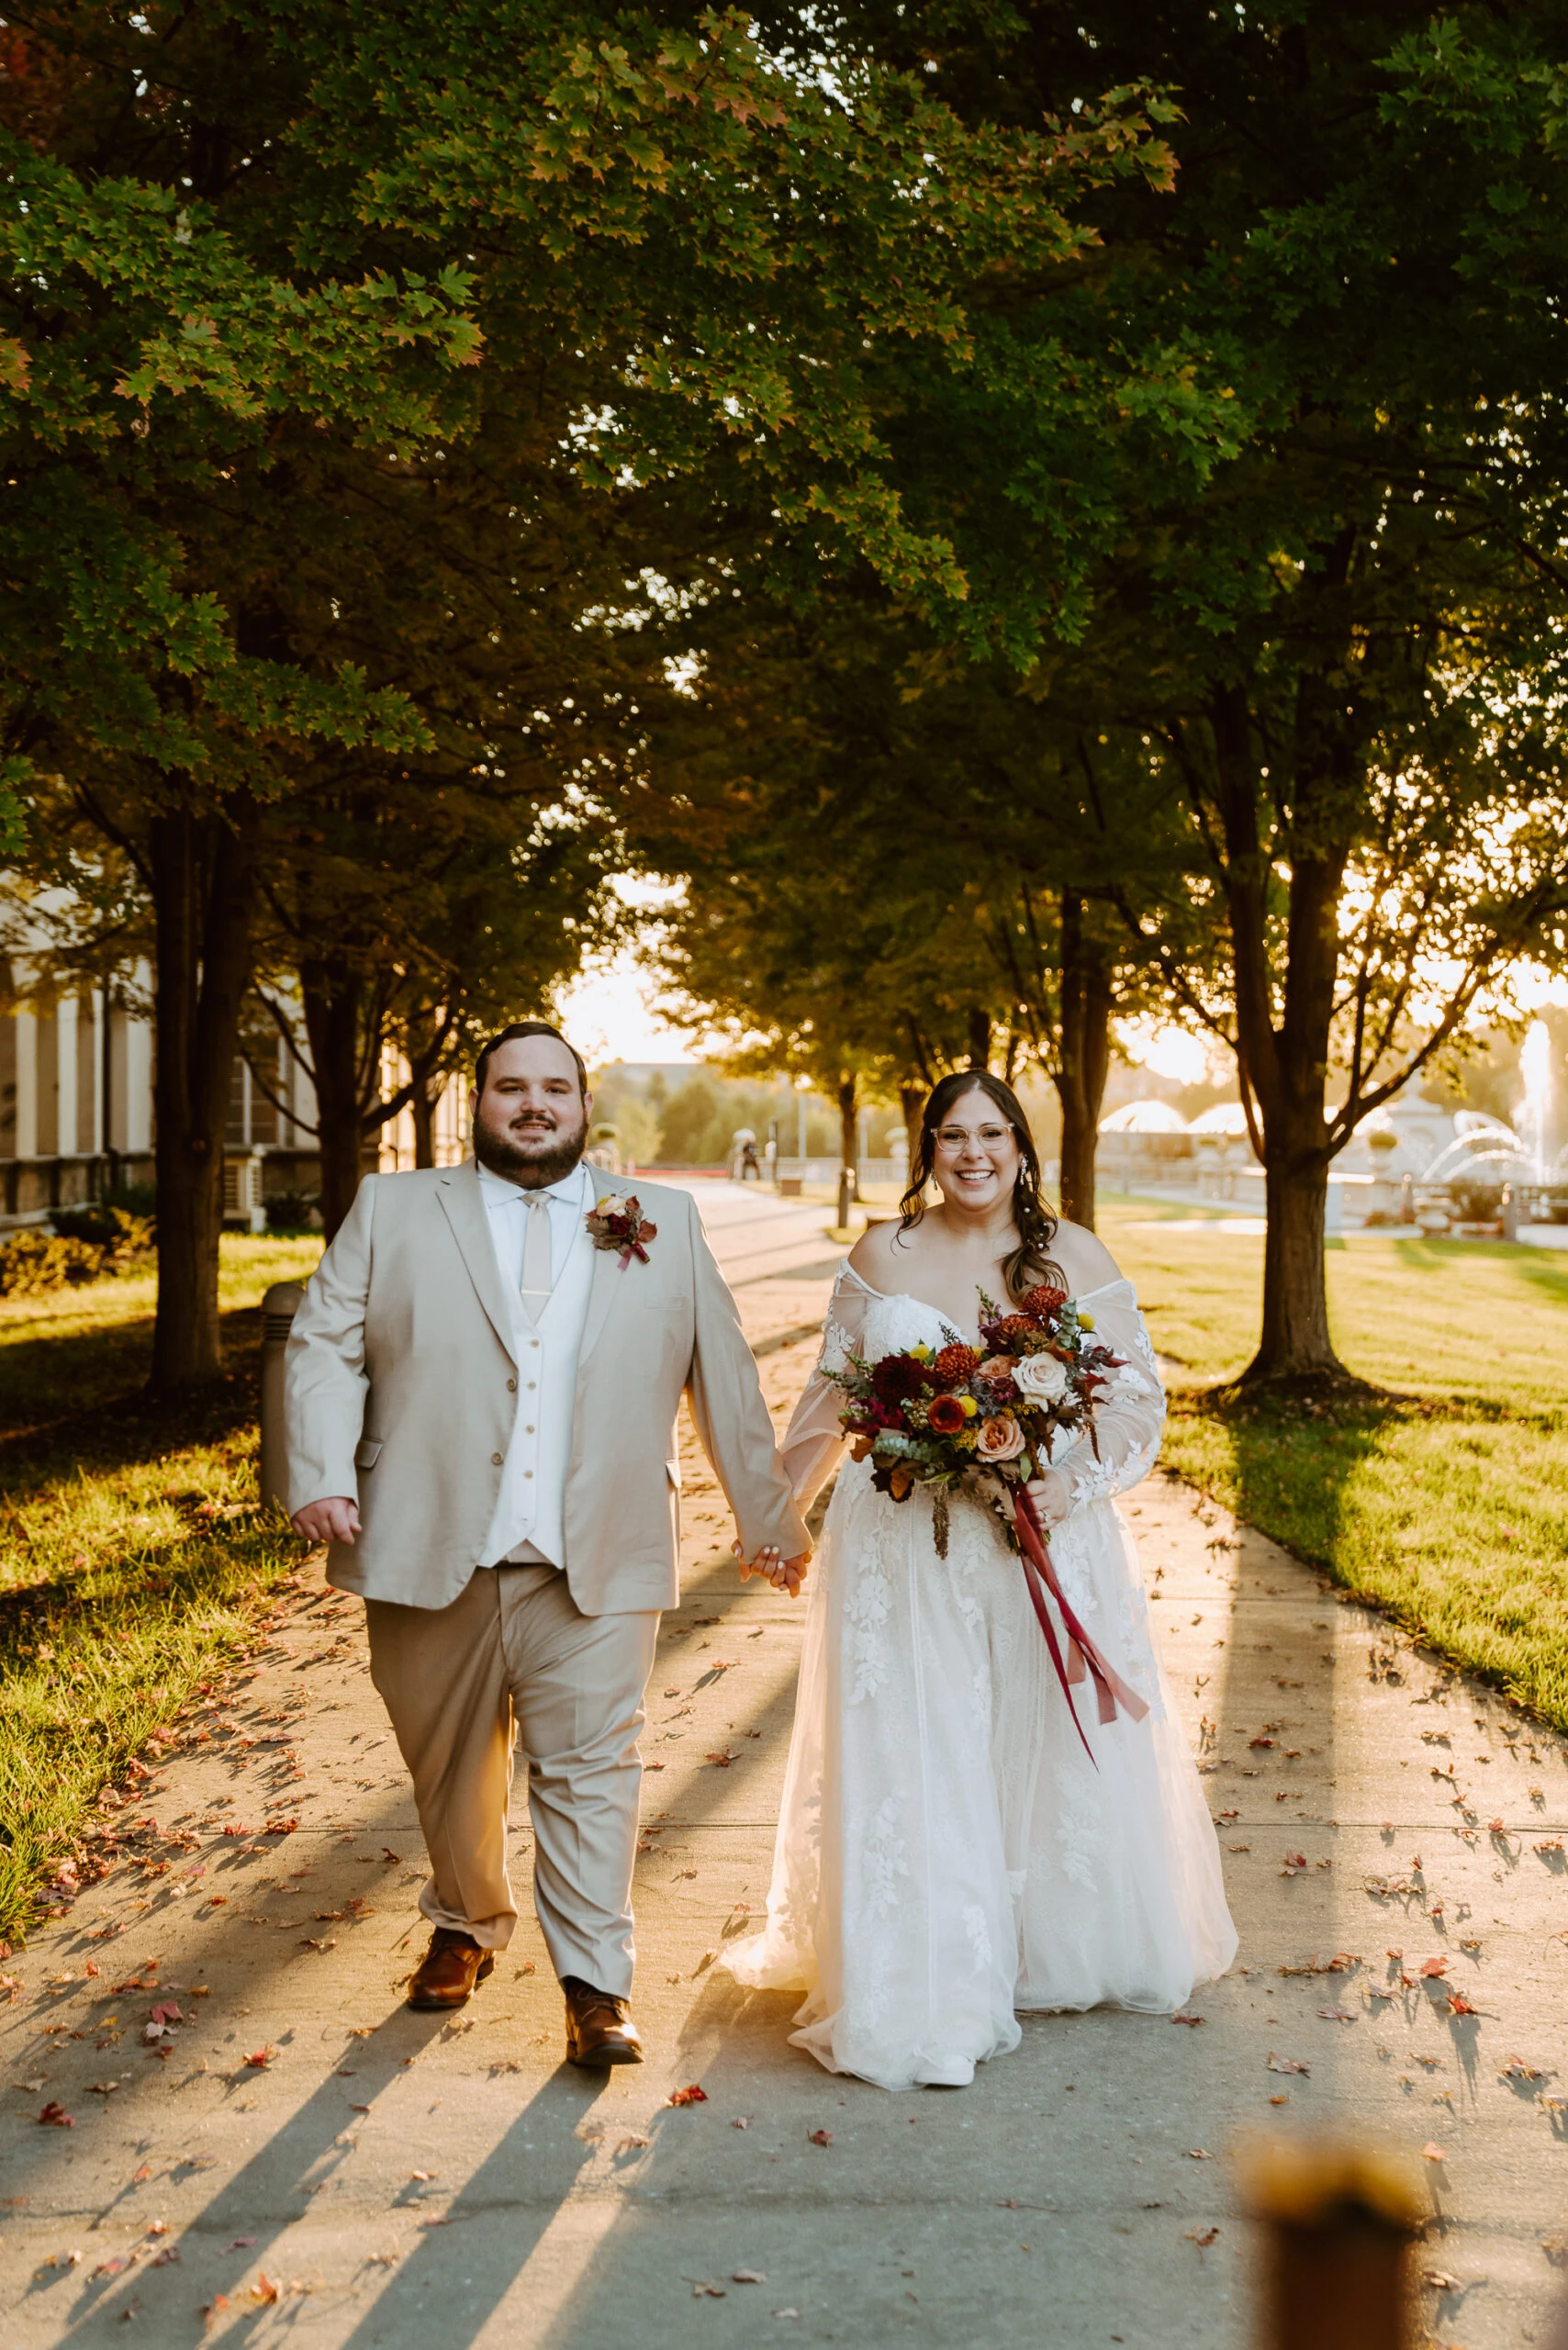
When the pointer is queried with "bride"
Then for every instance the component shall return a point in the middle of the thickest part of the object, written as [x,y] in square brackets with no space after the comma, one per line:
[947,1852]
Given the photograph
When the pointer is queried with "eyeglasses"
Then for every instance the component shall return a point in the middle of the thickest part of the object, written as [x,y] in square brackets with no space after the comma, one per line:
[959,1138]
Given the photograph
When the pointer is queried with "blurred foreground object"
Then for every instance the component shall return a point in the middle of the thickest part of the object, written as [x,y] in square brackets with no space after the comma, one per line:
[279,1307]
[1338,2221]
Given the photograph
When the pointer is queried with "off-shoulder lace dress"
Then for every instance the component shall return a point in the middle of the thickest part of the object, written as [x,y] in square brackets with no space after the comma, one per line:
[946,1854]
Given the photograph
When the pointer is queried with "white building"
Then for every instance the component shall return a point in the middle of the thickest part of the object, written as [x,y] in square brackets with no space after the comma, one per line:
[76,1112]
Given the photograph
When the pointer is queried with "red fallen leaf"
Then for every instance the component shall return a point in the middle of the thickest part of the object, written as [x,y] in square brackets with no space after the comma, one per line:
[92,1967]
[1434,1966]
[1286,2064]
[280,1827]
[1430,2153]
[1193,2020]
[1202,2237]
[653,1766]
[218,1900]
[166,2012]
[55,2114]
[214,2308]
[1229,1814]
[241,2243]
[260,2058]
[389,1854]
[139,2177]
[692,2096]
[1516,2069]
[1260,1741]
[720,1761]
[165,2256]
[1460,2006]
[264,2290]
[235,1828]
[819,2137]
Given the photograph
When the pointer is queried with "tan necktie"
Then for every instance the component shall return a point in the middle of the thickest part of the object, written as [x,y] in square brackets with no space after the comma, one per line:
[537,1280]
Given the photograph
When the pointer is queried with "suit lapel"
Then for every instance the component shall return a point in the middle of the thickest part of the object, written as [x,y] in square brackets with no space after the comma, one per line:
[460,1195]
[606,1266]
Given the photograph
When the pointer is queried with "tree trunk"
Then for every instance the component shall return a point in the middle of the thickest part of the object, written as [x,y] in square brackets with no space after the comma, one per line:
[202,873]
[912,1100]
[1286,1070]
[1083,1056]
[423,1109]
[330,997]
[848,1139]
[980,1039]
[1295,1342]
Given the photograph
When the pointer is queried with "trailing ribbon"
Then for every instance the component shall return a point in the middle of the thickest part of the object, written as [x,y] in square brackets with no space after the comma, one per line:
[1110,1689]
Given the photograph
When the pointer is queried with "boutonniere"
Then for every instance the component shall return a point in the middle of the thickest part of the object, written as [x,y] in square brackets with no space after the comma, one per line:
[618,1223]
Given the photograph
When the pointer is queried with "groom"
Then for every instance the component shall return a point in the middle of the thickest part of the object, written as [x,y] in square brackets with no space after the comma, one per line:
[482,1389]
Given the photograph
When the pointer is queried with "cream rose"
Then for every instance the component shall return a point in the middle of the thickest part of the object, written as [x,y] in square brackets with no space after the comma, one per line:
[1001,1438]
[1042,1379]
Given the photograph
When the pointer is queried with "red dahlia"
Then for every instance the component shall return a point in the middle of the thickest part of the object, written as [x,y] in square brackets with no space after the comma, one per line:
[898,1377]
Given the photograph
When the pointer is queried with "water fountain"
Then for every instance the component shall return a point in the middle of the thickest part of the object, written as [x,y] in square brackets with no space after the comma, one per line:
[1535,1113]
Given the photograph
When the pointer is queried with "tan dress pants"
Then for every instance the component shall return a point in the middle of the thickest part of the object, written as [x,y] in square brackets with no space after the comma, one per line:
[514,1658]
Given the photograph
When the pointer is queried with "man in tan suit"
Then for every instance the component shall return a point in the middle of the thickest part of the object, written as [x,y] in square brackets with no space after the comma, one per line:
[481,1391]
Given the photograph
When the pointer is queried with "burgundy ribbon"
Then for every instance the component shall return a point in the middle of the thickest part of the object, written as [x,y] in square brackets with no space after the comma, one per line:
[633,1249]
[1110,1689]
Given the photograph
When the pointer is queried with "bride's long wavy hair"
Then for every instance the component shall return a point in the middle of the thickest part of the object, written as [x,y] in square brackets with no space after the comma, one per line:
[1032,1260]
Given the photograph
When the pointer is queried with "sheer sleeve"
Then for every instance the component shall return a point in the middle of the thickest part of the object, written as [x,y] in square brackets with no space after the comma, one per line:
[1131,1417]
[815,1442]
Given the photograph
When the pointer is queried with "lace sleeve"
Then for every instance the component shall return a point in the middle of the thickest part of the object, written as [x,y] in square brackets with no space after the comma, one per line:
[813,1442]
[1128,1423]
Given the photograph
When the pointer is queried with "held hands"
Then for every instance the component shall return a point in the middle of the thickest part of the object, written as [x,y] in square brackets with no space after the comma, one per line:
[784,1574]
[336,1519]
[1051,1496]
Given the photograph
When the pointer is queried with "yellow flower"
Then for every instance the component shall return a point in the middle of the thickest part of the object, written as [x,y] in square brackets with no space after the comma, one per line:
[920,1353]
[964,1440]
[1086,1321]
[971,1409]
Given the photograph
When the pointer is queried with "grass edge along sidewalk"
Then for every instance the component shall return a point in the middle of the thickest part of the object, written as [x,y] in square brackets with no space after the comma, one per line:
[1439,1491]
[137,1570]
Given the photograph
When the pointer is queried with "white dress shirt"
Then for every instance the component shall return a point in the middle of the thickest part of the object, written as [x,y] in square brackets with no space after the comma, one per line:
[528,1525]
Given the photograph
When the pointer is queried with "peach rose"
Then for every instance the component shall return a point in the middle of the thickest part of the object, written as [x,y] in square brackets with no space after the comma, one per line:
[1001,1438]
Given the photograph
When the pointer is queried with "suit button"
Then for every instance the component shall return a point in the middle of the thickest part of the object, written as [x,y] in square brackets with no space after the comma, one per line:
[529,1429]
[528,1473]
[498,1459]
[511,1387]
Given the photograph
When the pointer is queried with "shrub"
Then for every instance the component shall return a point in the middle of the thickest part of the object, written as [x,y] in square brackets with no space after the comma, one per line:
[85,1245]
[293,1212]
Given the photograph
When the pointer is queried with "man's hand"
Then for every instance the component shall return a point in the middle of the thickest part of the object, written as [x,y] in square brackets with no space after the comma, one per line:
[336,1519]
[784,1574]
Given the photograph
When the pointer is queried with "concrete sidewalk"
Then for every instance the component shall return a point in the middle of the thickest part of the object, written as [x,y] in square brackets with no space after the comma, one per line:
[295,2151]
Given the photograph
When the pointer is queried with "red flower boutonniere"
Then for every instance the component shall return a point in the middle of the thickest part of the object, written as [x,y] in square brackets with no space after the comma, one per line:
[617,1223]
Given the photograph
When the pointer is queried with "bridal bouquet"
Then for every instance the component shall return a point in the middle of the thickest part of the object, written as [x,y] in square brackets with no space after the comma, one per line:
[980,1419]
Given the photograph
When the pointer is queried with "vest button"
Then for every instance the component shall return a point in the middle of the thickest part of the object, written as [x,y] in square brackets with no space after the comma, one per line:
[511,1387]
[498,1459]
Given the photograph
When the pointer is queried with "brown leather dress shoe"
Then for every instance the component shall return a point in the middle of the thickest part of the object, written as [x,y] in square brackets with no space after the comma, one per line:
[600,2031]
[449,1970]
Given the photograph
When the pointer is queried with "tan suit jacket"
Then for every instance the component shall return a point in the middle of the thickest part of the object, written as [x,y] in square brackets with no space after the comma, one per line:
[402,1389]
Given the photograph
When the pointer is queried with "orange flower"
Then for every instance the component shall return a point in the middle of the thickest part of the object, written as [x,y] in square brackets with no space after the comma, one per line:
[953,1364]
[1043,1300]
[945,1416]
[1001,1438]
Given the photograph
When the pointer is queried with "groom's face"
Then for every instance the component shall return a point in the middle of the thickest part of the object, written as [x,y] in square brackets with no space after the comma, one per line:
[530,1121]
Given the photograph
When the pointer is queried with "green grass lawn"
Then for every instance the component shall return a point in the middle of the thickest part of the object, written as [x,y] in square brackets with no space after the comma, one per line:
[135,1562]
[1444,1496]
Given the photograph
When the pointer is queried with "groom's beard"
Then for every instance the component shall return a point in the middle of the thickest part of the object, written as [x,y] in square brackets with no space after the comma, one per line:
[531,1148]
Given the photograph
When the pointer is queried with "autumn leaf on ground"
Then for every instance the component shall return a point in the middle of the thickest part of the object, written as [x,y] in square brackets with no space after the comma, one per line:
[1229,1814]
[1286,2064]
[113,2265]
[1193,2020]
[240,2243]
[264,2290]
[704,2290]
[1432,1967]
[1440,2281]
[1199,2155]
[1431,2153]
[1516,2069]
[819,2137]
[1336,2015]
[692,2096]
[260,2058]
[748,2276]
[1293,1864]
[1202,2237]
[54,2113]
[720,1761]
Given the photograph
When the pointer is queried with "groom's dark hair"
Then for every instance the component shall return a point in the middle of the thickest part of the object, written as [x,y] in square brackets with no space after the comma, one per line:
[524,1028]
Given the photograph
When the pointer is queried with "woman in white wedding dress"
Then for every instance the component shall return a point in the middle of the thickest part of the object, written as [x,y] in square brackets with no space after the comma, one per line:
[947,1852]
